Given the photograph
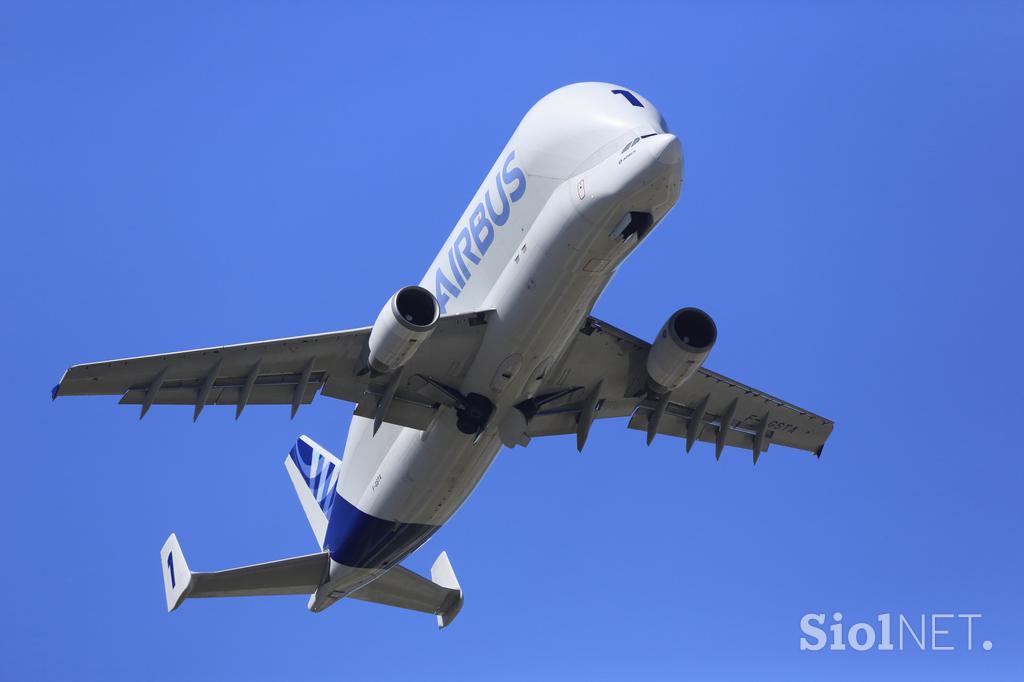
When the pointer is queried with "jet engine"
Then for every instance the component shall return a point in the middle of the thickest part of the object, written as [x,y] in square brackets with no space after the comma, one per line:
[681,347]
[404,323]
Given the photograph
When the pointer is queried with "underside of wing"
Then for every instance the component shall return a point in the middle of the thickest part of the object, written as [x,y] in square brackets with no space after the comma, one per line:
[289,371]
[607,365]
[285,371]
[710,399]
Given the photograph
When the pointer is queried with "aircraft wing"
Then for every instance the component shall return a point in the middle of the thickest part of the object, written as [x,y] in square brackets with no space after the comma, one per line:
[289,371]
[607,366]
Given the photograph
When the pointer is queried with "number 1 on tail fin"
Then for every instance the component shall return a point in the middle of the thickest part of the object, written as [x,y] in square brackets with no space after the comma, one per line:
[177,576]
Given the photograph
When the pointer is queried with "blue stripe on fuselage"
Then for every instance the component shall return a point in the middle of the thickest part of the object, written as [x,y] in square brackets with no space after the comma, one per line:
[355,538]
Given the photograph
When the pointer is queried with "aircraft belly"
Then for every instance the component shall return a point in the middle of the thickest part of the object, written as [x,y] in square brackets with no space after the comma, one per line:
[542,272]
[542,299]
[426,481]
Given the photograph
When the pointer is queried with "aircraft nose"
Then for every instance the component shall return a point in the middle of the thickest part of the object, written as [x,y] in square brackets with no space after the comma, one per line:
[665,149]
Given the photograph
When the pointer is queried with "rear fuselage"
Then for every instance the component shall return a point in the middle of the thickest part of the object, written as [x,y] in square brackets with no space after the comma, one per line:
[539,242]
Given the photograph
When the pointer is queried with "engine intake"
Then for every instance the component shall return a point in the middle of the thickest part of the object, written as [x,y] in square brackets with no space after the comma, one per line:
[404,323]
[680,349]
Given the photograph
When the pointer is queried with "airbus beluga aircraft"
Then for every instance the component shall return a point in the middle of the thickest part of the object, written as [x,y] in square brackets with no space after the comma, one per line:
[495,346]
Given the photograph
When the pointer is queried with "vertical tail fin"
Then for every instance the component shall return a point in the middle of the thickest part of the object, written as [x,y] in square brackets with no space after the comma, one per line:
[314,473]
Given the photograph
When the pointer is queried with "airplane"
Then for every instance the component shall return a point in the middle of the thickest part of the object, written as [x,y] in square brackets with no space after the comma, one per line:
[494,347]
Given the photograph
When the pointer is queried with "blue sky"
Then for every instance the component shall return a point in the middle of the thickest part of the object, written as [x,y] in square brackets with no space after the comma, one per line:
[190,174]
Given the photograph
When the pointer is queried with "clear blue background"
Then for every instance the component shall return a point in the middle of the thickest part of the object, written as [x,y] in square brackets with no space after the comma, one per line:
[189,175]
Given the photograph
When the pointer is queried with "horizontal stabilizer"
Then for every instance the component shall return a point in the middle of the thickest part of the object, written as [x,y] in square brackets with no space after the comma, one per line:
[400,587]
[297,575]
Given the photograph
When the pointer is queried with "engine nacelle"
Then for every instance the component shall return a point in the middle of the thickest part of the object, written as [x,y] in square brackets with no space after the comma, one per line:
[680,349]
[405,322]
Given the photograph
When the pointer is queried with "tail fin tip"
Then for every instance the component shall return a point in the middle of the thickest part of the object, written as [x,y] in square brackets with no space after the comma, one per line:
[177,576]
[442,573]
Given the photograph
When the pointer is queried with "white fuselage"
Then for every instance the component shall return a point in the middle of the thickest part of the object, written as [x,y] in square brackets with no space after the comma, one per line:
[538,244]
